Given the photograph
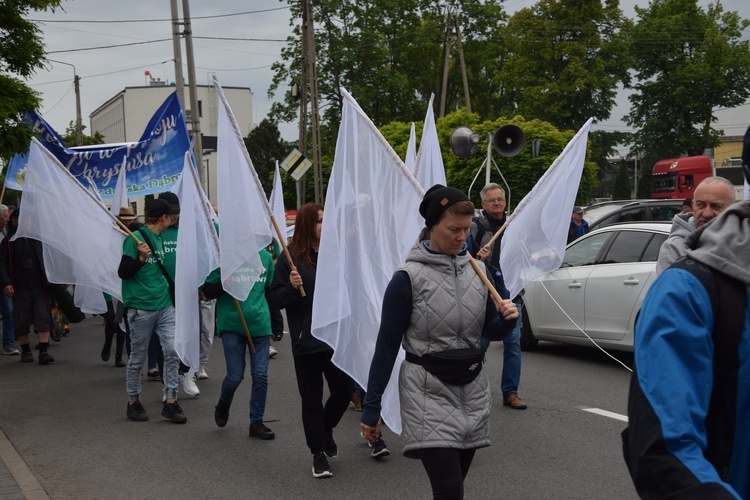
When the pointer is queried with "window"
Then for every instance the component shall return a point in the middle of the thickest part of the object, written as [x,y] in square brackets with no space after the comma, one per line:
[664,213]
[652,250]
[583,252]
[633,215]
[627,247]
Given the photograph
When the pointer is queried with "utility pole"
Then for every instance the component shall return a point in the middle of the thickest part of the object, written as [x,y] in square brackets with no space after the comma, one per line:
[314,112]
[302,144]
[176,33]
[453,31]
[194,109]
[77,87]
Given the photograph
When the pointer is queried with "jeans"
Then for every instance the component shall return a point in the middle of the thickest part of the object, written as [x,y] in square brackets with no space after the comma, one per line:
[234,354]
[511,356]
[142,325]
[6,308]
[207,314]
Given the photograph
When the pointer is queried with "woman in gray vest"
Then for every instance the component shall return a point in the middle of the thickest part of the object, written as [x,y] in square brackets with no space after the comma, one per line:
[437,307]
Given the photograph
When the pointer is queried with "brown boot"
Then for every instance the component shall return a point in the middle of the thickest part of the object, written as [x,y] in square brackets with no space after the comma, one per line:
[514,402]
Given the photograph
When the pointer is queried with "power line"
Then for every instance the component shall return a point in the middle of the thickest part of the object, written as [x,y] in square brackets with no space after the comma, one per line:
[239,39]
[121,21]
[110,46]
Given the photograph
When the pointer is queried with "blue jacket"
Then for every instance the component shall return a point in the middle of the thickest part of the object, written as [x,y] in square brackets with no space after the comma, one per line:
[671,394]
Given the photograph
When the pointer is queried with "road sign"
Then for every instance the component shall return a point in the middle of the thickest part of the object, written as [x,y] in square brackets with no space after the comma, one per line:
[296,164]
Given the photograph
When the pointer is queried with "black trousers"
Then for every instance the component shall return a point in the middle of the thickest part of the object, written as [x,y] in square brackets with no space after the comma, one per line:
[319,419]
[447,469]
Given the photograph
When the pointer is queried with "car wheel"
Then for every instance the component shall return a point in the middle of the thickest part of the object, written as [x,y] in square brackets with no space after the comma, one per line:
[528,341]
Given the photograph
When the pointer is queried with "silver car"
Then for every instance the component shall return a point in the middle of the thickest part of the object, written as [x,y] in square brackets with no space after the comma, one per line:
[601,284]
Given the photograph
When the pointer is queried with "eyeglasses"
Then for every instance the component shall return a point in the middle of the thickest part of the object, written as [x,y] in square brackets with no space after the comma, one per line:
[495,200]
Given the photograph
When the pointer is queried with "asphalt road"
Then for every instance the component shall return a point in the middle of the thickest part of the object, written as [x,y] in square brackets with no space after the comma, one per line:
[67,422]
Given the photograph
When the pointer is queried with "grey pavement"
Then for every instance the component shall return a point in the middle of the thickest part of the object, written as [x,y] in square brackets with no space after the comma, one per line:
[68,437]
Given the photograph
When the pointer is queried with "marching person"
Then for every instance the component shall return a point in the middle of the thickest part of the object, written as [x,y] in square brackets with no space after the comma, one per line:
[146,292]
[437,307]
[234,339]
[312,357]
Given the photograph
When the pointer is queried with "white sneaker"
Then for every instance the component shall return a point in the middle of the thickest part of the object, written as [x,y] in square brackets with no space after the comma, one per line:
[188,385]
[272,352]
[201,373]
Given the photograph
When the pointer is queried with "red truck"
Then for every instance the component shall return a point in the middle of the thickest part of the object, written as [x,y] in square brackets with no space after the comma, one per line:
[678,177]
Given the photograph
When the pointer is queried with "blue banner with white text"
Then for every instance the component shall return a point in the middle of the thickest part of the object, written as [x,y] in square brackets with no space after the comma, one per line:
[153,164]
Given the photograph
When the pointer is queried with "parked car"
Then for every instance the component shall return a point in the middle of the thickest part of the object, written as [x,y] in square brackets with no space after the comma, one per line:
[605,214]
[600,284]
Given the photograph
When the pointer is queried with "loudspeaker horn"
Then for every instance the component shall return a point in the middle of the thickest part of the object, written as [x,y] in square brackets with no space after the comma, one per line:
[509,140]
[464,142]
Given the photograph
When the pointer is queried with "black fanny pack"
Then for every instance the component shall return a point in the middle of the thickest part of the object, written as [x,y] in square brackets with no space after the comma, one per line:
[453,366]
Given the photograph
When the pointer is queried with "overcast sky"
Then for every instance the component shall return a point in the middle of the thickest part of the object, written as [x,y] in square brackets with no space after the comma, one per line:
[105,72]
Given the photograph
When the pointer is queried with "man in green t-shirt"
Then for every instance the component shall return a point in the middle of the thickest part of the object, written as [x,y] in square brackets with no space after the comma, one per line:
[147,293]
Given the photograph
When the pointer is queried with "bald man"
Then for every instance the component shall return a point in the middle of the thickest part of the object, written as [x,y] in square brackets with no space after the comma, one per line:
[712,196]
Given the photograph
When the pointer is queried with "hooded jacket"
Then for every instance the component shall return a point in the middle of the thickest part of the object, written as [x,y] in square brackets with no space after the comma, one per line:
[675,247]
[672,390]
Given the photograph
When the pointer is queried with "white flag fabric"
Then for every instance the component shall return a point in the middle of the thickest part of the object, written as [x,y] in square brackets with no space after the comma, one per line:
[429,169]
[245,214]
[198,255]
[411,150]
[536,235]
[82,244]
[94,190]
[120,198]
[371,221]
[277,202]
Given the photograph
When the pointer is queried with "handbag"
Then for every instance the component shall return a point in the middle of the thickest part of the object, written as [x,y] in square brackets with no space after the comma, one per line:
[452,366]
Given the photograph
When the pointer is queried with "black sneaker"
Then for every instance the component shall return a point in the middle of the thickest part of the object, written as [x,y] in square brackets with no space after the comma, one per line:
[27,357]
[221,414]
[173,413]
[45,358]
[379,449]
[329,446]
[154,375]
[137,412]
[260,431]
[320,466]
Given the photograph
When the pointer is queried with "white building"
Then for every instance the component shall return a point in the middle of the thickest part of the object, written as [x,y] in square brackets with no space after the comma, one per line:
[124,117]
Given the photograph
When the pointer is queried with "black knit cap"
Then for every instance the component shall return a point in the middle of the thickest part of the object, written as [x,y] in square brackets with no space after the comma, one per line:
[160,207]
[436,200]
[171,198]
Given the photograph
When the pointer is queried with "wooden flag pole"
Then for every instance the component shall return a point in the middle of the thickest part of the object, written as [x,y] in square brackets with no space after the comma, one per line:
[282,240]
[485,280]
[244,325]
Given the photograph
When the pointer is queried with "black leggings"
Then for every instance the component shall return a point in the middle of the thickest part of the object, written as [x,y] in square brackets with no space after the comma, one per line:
[447,469]
[319,419]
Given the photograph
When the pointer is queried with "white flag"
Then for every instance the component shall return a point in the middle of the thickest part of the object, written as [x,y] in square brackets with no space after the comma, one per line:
[197,257]
[429,169]
[534,242]
[277,202]
[82,245]
[371,221]
[120,198]
[245,214]
[411,150]
[94,190]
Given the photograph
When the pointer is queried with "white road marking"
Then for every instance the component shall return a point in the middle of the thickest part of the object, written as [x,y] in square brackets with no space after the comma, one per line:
[605,413]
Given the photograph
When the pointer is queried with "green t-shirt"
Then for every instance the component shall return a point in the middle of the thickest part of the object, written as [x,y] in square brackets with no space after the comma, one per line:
[148,288]
[169,237]
[254,308]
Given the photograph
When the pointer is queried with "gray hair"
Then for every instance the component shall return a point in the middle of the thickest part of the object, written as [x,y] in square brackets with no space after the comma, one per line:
[3,209]
[720,180]
[488,187]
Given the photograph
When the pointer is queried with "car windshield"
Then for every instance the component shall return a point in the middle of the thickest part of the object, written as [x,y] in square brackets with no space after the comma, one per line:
[597,212]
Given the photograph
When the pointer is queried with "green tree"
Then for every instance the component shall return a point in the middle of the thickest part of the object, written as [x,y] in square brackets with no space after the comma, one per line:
[621,190]
[567,59]
[21,54]
[688,61]
[265,147]
[69,138]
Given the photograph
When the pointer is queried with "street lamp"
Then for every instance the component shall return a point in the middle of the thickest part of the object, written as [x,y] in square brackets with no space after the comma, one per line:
[76,81]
